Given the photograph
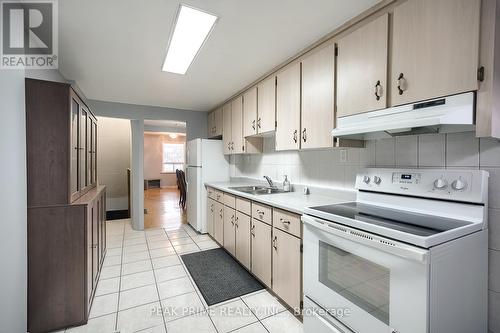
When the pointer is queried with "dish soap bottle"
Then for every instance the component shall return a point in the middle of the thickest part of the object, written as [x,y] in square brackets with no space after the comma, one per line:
[286,184]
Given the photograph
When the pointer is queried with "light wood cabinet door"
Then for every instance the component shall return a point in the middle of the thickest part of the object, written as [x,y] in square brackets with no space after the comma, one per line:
[435,48]
[229,229]
[227,138]
[287,269]
[210,216]
[266,105]
[242,225]
[250,112]
[318,86]
[217,120]
[362,68]
[219,223]
[261,251]
[237,146]
[288,108]
[211,124]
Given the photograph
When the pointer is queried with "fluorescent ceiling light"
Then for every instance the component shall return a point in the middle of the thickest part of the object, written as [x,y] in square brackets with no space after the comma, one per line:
[191,29]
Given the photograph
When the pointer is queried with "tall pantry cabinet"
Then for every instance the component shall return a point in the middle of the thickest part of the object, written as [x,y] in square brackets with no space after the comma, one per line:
[66,206]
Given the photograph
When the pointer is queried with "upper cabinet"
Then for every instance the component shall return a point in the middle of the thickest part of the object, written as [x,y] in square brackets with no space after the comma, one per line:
[318,86]
[215,123]
[288,108]
[227,134]
[237,146]
[266,105]
[435,48]
[362,68]
[250,112]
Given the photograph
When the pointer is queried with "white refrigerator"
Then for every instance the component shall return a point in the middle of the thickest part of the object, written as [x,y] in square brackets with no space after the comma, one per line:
[205,163]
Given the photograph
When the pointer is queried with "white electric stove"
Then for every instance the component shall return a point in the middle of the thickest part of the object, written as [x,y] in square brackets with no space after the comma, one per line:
[410,255]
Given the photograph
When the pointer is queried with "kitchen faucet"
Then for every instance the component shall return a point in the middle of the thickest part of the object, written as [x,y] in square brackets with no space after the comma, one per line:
[271,184]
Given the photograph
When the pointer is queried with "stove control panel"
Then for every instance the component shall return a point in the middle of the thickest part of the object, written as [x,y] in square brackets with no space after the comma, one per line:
[460,185]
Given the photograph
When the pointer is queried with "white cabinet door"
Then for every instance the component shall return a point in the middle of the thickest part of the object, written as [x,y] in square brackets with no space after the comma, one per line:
[362,68]
[318,86]
[237,146]
[435,49]
[266,105]
[227,136]
[210,216]
[219,223]
[242,224]
[287,269]
[229,229]
[261,251]
[250,112]
[288,108]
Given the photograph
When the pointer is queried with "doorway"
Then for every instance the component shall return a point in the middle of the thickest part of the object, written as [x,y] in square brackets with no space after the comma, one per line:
[164,156]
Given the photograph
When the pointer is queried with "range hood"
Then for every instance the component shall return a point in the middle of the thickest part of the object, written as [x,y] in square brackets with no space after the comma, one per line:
[441,115]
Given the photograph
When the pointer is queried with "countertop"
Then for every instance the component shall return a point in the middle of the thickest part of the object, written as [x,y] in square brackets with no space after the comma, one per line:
[294,201]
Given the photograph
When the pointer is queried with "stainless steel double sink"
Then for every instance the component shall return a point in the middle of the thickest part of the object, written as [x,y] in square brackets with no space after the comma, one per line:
[257,190]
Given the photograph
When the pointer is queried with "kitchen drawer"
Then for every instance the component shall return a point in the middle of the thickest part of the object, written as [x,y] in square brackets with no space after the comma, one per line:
[262,212]
[218,196]
[244,206]
[229,200]
[286,221]
[210,193]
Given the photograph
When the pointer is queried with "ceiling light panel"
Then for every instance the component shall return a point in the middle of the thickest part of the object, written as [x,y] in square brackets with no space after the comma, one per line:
[192,27]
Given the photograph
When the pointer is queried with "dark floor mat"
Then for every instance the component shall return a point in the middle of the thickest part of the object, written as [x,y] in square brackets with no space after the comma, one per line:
[218,276]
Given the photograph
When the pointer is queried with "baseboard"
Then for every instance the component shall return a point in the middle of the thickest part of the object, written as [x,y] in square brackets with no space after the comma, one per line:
[117,214]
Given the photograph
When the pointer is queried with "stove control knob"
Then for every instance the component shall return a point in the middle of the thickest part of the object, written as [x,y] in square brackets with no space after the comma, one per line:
[366,179]
[458,185]
[440,184]
[377,180]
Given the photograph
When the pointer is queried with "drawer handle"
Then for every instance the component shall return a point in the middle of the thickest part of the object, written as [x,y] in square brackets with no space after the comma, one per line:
[284,221]
[260,212]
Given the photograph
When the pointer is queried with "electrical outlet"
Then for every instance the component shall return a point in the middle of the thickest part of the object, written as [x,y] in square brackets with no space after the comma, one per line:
[343,155]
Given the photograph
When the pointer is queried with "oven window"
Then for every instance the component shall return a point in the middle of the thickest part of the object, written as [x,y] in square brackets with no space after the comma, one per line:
[360,281]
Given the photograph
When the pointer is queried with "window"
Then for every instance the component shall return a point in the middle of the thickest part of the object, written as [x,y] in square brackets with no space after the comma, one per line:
[173,157]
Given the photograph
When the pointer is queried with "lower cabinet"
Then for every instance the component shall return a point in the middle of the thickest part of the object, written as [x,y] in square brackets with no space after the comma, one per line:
[210,216]
[242,238]
[229,229]
[66,247]
[219,222]
[287,267]
[261,251]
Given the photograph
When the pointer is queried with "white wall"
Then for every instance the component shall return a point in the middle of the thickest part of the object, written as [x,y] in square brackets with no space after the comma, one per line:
[113,159]
[153,155]
[13,235]
[323,167]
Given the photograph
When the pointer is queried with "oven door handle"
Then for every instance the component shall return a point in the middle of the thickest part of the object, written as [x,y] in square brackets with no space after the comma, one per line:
[361,237]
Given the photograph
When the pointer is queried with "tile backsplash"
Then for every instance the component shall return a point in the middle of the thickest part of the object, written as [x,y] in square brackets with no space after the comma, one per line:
[329,168]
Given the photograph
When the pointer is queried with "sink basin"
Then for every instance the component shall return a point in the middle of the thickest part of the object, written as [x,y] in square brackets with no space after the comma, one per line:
[257,190]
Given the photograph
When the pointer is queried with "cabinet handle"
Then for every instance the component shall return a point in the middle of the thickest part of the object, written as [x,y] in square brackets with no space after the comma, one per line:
[258,122]
[220,213]
[232,145]
[236,223]
[304,135]
[378,90]
[232,220]
[253,124]
[260,212]
[295,136]
[284,221]
[252,231]
[401,83]
[275,242]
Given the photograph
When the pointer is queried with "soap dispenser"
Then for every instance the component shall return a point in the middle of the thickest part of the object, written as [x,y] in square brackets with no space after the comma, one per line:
[286,184]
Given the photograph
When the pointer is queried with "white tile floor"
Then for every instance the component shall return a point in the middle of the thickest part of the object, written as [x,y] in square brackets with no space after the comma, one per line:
[145,287]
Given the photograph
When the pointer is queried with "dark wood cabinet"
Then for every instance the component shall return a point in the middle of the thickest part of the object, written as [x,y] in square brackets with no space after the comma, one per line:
[66,207]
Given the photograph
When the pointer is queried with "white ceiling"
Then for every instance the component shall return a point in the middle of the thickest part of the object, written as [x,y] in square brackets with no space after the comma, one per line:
[114,49]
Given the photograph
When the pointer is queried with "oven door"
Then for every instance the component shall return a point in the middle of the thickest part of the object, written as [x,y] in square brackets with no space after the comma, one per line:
[368,283]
